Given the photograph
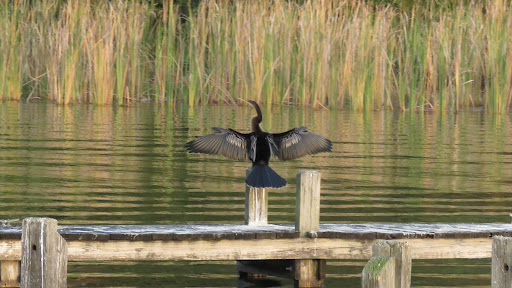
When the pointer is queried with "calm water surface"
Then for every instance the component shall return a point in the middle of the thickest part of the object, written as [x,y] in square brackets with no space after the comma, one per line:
[92,165]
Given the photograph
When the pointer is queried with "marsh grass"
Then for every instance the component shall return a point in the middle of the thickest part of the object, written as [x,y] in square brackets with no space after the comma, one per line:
[11,49]
[499,55]
[168,56]
[342,54]
[63,54]
[130,39]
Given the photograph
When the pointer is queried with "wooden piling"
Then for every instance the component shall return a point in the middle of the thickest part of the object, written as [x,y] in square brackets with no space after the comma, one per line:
[256,211]
[9,273]
[401,252]
[307,210]
[308,272]
[501,262]
[44,254]
[256,204]
[379,272]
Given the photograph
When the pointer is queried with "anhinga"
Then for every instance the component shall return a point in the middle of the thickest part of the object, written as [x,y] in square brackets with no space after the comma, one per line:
[259,146]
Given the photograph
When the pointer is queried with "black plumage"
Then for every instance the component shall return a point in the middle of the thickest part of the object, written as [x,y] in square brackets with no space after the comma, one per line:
[259,146]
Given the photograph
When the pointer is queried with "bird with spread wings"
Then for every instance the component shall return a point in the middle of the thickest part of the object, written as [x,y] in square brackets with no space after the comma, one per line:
[259,146]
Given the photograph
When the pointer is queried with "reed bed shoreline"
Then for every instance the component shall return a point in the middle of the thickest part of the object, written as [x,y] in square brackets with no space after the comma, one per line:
[338,54]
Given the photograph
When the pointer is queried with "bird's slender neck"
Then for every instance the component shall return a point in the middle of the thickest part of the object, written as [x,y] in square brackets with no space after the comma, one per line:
[256,120]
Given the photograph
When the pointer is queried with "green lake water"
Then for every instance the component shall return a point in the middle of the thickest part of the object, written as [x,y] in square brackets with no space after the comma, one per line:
[127,165]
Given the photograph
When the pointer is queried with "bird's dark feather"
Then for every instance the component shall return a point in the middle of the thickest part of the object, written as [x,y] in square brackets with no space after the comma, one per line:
[274,150]
[298,142]
[225,142]
[252,149]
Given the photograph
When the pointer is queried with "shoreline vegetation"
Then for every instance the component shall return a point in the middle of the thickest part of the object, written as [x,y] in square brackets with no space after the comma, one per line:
[351,54]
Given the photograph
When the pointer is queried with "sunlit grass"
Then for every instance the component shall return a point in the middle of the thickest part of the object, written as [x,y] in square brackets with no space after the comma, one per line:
[335,54]
[11,49]
[168,56]
[62,53]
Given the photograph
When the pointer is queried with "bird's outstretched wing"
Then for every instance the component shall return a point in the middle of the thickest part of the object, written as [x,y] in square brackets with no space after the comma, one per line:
[299,142]
[225,142]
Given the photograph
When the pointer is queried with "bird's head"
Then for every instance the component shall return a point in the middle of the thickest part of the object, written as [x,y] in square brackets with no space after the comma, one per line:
[250,102]
[257,119]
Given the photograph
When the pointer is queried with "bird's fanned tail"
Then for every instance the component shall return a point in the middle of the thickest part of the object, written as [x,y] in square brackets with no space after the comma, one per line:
[262,176]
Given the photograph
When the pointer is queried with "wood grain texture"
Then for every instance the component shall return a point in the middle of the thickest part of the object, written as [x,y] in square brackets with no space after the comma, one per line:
[238,249]
[10,249]
[308,272]
[297,248]
[379,272]
[9,273]
[44,254]
[307,212]
[401,252]
[501,276]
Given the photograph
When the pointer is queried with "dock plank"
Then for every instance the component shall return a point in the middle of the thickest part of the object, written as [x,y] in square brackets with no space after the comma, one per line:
[234,231]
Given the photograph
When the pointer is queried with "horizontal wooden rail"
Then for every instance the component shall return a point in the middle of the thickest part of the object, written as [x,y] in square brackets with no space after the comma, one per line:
[294,248]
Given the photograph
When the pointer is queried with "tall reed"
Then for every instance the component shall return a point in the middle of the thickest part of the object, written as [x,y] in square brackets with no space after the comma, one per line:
[4,48]
[168,55]
[131,24]
[499,55]
[100,50]
[12,14]
[64,54]
[342,53]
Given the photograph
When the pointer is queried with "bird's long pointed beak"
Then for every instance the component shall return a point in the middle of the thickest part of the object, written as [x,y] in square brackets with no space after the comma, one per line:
[245,101]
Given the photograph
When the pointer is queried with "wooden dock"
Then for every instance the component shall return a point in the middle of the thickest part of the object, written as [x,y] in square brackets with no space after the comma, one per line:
[307,243]
[237,242]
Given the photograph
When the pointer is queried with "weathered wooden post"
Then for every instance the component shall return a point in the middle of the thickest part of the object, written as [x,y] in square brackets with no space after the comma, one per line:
[401,251]
[308,272]
[44,254]
[378,271]
[256,204]
[9,273]
[501,262]
[256,211]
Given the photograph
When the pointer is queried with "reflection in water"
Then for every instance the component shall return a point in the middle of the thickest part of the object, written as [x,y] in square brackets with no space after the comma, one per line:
[91,165]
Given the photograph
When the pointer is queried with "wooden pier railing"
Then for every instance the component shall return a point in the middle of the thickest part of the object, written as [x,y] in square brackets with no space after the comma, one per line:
[36,254]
